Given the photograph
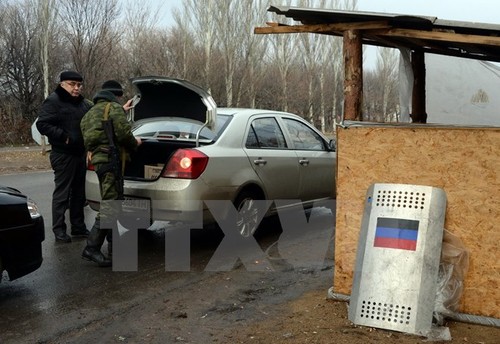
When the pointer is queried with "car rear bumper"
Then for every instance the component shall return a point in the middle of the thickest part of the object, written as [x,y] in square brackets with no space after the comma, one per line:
[169,199]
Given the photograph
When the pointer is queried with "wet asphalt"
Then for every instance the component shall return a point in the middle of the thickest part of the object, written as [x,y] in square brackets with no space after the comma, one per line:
[70,300]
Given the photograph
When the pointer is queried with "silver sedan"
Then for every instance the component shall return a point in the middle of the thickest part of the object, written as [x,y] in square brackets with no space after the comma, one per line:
[189,165]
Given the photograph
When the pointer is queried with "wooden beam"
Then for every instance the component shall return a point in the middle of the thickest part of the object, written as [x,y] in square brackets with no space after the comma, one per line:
[440,36]
[353,78]
[321,28]
[428,47]
[379,29]
[418,107]
[272,24]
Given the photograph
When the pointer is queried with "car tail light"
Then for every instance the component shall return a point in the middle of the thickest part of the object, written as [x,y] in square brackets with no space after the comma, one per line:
[186,164]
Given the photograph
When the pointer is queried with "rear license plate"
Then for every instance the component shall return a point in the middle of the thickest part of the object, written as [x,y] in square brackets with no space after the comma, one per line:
[132,203]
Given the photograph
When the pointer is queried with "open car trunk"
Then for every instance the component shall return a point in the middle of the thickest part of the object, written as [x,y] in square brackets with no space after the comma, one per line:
[161,98]
[151,158]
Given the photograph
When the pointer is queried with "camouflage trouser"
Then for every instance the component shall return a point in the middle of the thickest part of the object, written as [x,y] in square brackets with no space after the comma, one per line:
[110,208]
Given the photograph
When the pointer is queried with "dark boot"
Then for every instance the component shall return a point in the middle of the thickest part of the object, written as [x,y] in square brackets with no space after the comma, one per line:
[95,240]
[95,255]
[62,237]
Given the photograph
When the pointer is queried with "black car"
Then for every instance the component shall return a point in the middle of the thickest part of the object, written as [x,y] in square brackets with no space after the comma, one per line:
[22,231]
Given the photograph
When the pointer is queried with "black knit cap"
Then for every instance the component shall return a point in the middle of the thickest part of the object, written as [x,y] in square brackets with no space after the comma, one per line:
[114,87]
[71,75]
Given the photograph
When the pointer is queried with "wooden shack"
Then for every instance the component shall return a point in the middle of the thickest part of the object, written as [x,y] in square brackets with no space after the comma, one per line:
[416,153]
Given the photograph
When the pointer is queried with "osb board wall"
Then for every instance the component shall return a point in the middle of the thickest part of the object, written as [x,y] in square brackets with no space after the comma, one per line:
[464,162]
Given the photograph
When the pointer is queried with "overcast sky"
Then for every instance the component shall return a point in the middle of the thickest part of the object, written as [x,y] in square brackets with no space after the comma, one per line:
[484,11]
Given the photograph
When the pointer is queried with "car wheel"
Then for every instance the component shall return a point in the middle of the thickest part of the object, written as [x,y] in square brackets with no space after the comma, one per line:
[248,213]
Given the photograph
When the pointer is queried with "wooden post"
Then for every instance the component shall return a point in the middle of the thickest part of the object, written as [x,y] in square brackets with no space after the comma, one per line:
[353,78]
[418,106]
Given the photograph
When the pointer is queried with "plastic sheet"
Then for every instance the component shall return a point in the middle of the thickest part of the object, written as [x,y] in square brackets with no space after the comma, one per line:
[452,270]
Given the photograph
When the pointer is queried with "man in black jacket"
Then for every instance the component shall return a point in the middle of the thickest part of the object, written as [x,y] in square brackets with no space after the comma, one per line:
[59,120]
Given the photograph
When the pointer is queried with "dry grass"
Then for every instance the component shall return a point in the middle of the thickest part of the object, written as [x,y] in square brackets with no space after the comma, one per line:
[20,160]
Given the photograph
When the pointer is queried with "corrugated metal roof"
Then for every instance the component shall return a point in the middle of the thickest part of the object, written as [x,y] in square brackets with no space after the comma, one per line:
[432,35]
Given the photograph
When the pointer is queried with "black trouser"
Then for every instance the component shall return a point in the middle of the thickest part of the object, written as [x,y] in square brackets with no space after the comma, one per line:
[69,191]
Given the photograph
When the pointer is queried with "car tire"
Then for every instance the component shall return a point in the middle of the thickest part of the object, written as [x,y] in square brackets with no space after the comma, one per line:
[248,213]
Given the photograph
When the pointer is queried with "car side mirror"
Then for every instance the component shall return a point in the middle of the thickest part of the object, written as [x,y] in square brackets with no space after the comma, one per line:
[332,145]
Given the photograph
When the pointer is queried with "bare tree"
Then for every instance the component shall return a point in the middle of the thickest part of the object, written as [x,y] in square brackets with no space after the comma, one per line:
[322,57]
[47,13]
[21,77]
[88,28]
[237,44]
[329,79]
[183,44]
[211,44]
[283,54]
[145,44]
[310,56]
[387,64]
[254,49]
[200,15]
[3,32]
[228,32]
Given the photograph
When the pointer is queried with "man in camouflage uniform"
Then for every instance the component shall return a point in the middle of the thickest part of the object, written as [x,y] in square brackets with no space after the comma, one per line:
[98,145]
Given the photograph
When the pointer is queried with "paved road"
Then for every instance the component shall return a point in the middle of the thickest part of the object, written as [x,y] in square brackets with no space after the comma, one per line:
[69,300]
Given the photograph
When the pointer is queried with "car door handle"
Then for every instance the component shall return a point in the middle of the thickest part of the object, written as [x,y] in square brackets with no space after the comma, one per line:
[260,161]
[304,162]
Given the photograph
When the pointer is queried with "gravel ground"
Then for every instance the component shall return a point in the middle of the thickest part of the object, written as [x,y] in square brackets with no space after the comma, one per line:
[311,318]
[23,159]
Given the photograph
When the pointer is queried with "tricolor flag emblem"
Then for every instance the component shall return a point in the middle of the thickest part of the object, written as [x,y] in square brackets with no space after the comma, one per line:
[396,233]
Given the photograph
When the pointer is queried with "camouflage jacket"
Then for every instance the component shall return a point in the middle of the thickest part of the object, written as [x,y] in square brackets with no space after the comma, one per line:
[94,136]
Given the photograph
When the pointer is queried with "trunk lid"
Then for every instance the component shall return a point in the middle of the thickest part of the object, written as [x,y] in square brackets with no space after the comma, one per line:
[158,96]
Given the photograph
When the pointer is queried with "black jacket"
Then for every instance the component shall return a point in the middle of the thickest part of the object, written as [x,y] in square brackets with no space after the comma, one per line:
[59,119]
